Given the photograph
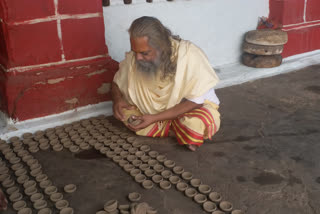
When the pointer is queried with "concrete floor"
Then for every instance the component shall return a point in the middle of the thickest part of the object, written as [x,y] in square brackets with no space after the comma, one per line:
[265,159]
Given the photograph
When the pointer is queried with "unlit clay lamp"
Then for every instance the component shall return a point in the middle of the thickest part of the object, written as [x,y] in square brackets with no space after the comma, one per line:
[15,197]
[237,212]
[40,204]
[145,158]
[50,190]
[30,191]
[19,205]
[205,189]
[30,183]
[152,162]
[165,184]
[169,163]
[147,184]
[67,210]
[44,184]
[215,197]
[12,190]
[153,154]
[190,192]
[45,211]
[111,205]
[70,188]
[25,211]
[195,182]
[37,196]
[56,197]
[225,206]
[131,120]
[140,178]
[128,167]
[209,206]
[144,167]
[200,198]
[166,174]
[149,173]
[62,204]
[157,178]
[174,179]
[135,172]
[181,186]
[134,196]
[187,176]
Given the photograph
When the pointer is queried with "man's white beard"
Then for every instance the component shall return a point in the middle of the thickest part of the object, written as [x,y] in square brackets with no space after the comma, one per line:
[149,68]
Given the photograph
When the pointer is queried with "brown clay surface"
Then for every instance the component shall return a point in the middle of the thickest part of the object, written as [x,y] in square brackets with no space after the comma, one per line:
[257,61]
[265,158]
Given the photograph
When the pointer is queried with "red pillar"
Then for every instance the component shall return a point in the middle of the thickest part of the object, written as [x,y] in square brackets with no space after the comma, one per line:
[53,56]
[301,19]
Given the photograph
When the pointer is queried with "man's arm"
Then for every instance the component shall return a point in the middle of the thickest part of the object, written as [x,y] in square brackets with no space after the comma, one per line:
[169,114]
[118,102]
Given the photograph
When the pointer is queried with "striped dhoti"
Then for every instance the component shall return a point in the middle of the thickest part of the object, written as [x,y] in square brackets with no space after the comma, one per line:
[189,128]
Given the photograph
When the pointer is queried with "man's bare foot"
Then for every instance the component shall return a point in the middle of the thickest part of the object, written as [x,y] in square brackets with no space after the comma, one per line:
[192,147]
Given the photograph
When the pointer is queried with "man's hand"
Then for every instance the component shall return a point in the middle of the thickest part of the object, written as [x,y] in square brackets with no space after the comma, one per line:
[146,120]
[118,106]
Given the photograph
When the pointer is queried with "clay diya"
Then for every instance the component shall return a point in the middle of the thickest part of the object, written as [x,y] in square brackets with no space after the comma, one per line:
[158,168]
[147,184]
[131,139]
[165,185]
[144,167]
[149,173]
[139,154]
[190,192]
[153,154]
[140,178]
[4,170]
[66,210]
[117,158]
[137,144]
[50,190]
[19,205]
[35,172]
[157,178]
[209,206]
[104,150]
[33,149]
[8,183]
[56,197]
[12,190]
[161,158]
[118,150]
[200,198]
[182,186]
[225,206]
[124,154]
[136,163]
[70,188]
[61,204]
[20,172]
[122,163]
[152,162]
[174,179]
[14,160]
[16,166]
[166,173]
[134,197]
[195,182]
[45,211]
[44,146]
[57,147]
[169,163]
[111,205]
[37,196]
[30,191]
[17,196]
[203,188]
[126,146]
[128,167]
[44,184]
[25,211]
[74,148]
[215,197]
[135,172]
[145,158]
[187,176]
[131,158]
[35,166]
[133,150]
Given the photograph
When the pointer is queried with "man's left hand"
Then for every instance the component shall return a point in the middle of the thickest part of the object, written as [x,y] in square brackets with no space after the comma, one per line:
[146,119]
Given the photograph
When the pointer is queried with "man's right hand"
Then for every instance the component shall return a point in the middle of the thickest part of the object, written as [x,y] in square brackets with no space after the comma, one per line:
[118,106]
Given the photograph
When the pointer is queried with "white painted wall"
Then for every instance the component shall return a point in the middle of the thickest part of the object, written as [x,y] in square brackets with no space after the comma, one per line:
[217,26]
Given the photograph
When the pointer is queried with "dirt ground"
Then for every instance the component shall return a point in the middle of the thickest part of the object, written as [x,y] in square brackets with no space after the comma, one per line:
[265,159]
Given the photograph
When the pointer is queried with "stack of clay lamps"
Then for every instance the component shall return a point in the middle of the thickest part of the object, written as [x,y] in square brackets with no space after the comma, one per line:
[263,48]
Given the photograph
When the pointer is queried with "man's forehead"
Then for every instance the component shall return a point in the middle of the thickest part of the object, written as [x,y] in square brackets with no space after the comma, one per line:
[140,44]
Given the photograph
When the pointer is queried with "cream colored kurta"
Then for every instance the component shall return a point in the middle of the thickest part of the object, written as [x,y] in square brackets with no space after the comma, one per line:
[194,77]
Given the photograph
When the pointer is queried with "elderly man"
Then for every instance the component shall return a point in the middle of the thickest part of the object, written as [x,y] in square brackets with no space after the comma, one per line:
[165,85]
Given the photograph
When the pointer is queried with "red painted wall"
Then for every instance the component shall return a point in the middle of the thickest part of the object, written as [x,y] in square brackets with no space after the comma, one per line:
[301,20]
[53,56]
